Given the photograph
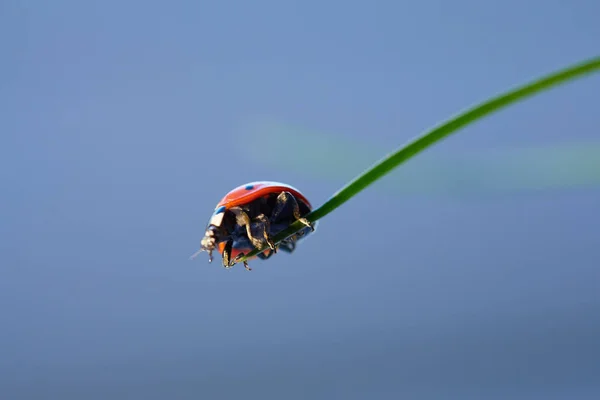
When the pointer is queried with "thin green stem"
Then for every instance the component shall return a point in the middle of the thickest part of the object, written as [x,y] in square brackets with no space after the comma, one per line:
[435,135]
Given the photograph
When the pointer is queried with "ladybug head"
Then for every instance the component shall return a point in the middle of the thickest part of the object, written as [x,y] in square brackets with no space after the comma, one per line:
[213,233]
[208,242]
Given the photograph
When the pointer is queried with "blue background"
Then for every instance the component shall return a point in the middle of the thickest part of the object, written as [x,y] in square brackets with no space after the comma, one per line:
[121,125]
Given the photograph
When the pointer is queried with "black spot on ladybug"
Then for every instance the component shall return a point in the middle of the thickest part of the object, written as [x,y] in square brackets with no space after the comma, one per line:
[220,210]
[249,187]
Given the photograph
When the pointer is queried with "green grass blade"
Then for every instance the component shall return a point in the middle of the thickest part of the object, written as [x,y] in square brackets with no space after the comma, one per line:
[435,135]
[461,173]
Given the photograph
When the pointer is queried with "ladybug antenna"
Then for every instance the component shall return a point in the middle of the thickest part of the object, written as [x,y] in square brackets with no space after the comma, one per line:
[196,254]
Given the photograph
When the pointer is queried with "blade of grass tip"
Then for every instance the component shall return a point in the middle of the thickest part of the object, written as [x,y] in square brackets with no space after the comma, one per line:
[429,138]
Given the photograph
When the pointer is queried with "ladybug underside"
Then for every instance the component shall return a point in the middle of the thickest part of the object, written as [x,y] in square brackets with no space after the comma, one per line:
[252,225]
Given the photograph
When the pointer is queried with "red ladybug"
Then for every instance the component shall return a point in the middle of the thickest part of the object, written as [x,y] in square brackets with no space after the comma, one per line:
[250,215]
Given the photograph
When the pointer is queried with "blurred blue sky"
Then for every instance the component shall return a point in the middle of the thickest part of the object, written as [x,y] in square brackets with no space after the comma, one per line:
[121,128]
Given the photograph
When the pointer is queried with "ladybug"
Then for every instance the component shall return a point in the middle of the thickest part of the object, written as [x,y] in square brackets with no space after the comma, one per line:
[249,216]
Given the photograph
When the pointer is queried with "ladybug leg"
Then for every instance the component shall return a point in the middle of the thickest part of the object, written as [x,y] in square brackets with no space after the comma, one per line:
[286,199]
[227,261]
[265,255]
[287,245]
[239,256]
[257,231]
[227,254]
[260,229]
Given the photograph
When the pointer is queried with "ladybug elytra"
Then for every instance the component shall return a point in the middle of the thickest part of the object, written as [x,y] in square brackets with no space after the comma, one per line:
[249,216]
